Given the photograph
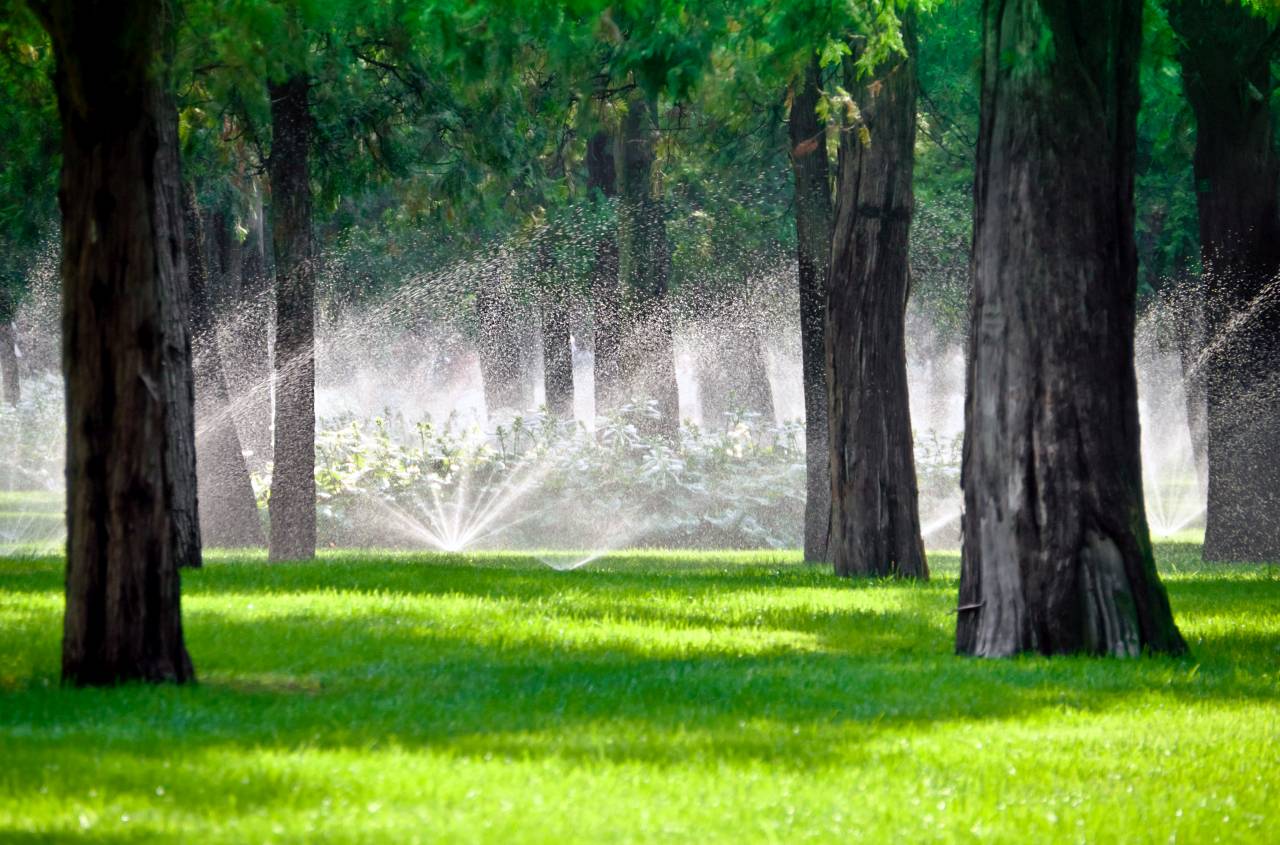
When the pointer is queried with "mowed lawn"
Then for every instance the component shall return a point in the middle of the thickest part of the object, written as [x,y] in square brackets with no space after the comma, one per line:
[645,698]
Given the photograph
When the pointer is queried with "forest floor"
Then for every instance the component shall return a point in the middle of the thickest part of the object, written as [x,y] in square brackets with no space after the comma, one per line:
[648,697]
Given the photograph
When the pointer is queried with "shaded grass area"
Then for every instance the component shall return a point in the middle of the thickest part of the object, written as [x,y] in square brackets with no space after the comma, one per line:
[648,697]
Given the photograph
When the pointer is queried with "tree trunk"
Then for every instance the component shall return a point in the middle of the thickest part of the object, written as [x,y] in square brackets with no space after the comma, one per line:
[228,510]
[813,253]
[648,353]
[293,483]
[123,331]
[1057,556]
[12,388]
[875,517]
[503,356]
[732,374]
[1226,54]
[606,300]
[557,357]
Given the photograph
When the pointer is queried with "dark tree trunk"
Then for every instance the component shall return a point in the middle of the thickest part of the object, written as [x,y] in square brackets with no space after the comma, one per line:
[12,387]
[1226,54]
[813,252]
[502,348]
[293,482]
[557,357]
[606,300]
[1057,556]
[228,510]
[123,331]
[875,517]
[648,353]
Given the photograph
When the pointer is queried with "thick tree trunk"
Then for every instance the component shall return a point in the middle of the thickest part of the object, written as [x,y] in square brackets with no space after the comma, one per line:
[606,300]
[1057,556]
[12,387]
[813,253]
[123,331]
[293,483]
[875,517]
[1226,54]
[228,510]
[648,352]
[557,357]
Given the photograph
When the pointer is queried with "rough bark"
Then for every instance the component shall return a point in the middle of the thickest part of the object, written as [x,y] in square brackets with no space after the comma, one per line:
[648,353]
[1056,555]
[1226,53]
[293,483]
[123,330]
[875,517]
[228,510]
[813,253]
[11,390]
[606,301]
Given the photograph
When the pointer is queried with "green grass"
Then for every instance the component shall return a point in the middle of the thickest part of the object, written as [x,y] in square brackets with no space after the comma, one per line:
[649,697]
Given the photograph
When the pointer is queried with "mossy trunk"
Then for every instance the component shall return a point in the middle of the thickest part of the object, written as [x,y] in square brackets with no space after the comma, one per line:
[1056,553]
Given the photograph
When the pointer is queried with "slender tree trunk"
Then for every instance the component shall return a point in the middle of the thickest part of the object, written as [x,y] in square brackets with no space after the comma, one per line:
[248,357]
[123,331]
[813,252]
[606,300]
[648,354]
[12,387]
[557,357]
[732,373]
[293,483]
[502,348]
[228,510]
[1226,53]
[1057,556]
[875,516]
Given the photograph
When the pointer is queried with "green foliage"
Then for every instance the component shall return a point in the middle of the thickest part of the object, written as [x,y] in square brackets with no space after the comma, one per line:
[654,697]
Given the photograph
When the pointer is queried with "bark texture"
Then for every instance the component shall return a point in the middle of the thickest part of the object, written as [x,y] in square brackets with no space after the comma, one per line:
[813,253]
[875,518]
[228,510]
[1056,556]
[648,353]
[123,336]
[11,389]
[606,301]
[293,483]
[1226,53]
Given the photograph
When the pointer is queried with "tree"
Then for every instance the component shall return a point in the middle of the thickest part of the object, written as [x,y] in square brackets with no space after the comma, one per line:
[648,354]
[123,328]
[293,481]
[606,310]
[813,254]
[875,520]
[1226,50]
[228,510]
[1056,556]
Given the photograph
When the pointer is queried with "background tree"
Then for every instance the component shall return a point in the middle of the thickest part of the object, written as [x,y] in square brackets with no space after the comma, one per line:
[1226,50]
[1056,556]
